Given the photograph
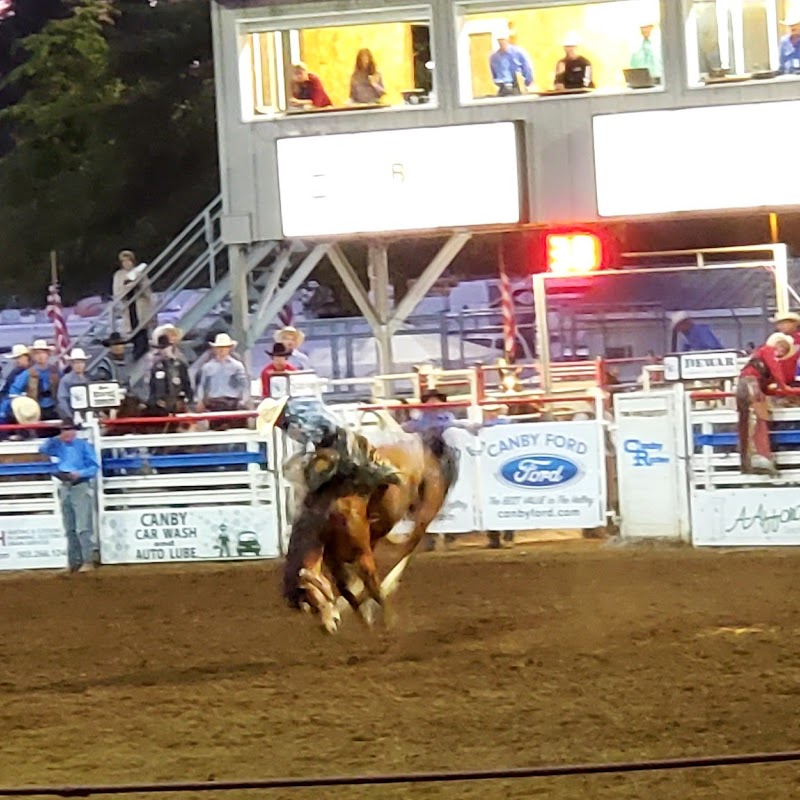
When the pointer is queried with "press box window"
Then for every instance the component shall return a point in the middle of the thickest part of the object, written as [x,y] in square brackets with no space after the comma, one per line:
[621,41]
[300,70]
[734,41]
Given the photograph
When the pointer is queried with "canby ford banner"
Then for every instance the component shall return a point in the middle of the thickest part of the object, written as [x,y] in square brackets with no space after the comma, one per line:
[542,475]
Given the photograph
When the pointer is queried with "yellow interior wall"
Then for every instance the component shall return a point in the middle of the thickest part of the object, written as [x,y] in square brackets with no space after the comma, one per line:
[609,32]
[330,53]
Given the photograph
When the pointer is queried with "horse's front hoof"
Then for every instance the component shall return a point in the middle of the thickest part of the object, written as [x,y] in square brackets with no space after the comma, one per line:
[332,621]
[370,612]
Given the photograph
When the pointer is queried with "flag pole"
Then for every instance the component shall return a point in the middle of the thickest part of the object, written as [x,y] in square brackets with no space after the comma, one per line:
[53,267]
[506,306]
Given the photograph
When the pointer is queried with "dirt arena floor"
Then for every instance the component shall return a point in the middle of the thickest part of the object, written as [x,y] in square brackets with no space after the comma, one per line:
[552,653]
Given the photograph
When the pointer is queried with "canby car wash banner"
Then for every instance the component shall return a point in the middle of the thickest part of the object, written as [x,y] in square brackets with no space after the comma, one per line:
[542,475]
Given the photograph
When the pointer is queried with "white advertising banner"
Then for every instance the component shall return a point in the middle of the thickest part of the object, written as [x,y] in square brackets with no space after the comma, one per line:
[34,541]
[542,475]
[746,517]
[650,471]
[415,179]
[215,533]
[696,150]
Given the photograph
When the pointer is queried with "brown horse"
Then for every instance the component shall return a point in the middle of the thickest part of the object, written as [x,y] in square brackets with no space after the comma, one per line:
[339,525]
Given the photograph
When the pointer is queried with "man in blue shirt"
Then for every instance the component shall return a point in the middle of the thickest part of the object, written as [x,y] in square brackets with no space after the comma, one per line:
[695,336]
[789,47]
[75,465]
[508,64]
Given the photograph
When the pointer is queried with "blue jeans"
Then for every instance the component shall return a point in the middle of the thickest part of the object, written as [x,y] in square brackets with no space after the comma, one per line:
[77,511]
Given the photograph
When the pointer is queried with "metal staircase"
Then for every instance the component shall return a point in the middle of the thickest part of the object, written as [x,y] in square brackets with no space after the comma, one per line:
[197,258]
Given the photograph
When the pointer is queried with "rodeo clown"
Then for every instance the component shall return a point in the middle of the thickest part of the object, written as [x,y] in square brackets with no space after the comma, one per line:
[306,421]
[763,375]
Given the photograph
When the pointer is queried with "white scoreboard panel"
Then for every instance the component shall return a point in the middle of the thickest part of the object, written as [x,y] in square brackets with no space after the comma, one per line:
[415,179]
[694,159]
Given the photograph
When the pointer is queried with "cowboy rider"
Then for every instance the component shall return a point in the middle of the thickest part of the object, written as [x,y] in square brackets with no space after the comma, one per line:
[39,381]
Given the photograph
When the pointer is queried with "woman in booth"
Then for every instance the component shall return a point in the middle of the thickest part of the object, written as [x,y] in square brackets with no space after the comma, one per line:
[764,374]
[366,83]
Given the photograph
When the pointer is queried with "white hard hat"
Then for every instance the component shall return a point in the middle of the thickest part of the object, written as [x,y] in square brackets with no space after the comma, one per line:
[571,39]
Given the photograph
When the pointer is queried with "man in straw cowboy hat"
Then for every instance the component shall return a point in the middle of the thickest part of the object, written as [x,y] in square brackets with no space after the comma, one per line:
[292,339]
[75,377]
[789,47]
[22,361]
[40,381]
[788,322]
[762,376]
[75,466]
[223,383]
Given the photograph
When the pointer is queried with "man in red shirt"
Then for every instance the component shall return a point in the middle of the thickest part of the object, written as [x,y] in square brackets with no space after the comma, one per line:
[789,323]
[764,374]
[307,89]
[279,364]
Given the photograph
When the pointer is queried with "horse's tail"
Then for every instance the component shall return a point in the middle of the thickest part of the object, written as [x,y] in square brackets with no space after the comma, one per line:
[304,536]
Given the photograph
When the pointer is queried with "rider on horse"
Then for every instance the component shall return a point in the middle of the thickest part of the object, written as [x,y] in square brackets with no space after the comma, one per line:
[349,456]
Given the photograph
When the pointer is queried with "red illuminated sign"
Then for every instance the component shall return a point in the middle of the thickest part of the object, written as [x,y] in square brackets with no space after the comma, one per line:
[573,253]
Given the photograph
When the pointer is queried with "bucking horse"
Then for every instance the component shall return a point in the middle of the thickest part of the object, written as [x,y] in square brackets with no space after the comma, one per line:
[354,495]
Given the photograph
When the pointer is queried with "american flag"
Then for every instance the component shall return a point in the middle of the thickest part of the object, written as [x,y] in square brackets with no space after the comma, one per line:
[286,315]
[55,313]
[507,309]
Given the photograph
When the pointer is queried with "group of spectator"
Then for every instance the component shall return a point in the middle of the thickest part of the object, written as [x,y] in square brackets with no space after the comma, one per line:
[512,68]
[366,84]
[36,388]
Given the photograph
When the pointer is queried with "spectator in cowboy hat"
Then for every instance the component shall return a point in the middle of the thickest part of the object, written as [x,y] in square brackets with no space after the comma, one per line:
[197,368]
[40,381]
[114,366]
[75,465]
[292,339]
[173,336]
[22,358]
[789,47]
[280,363]
[75,377]
[223,383]
[431,419]
[170,388]
[695,336]
[133,298]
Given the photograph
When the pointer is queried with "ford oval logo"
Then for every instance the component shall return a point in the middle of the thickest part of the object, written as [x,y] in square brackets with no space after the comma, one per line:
[539,472]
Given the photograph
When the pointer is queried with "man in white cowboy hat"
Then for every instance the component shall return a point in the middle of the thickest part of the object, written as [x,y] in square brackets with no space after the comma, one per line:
[696,336]
[789,47]
[40,381]
[22,360]
[75,466]
[574,71]
[75,377]
[292,339]
[648,54]
[223,383]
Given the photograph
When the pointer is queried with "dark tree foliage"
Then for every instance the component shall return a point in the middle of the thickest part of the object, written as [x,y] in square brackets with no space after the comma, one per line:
[114,140]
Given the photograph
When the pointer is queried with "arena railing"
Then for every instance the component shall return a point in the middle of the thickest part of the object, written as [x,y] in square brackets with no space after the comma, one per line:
[26,484]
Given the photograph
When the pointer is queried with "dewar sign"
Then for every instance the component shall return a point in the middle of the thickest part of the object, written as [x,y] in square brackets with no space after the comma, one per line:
[542,475]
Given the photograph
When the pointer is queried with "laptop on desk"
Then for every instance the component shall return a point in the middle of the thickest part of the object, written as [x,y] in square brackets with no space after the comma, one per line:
[639,78]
